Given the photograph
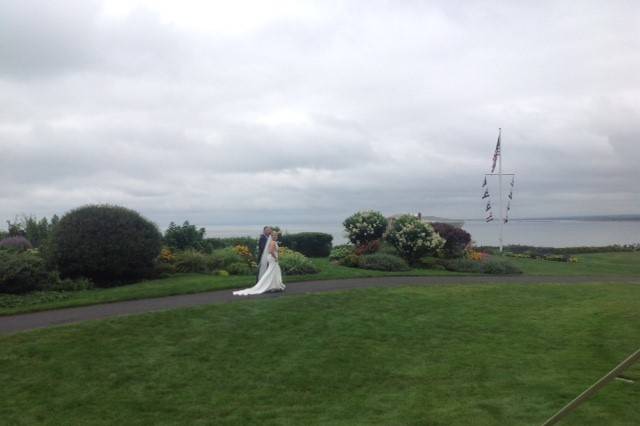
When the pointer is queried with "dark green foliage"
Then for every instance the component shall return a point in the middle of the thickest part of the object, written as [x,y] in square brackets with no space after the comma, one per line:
[340,252]
[535,252]
[111,245]
[67,284]
[192,261]
[499,267]
[225,257]
[387,248]
[240,268]
[34,230]
[351,261]
[490,266]
[311,244]
[211,244]
[383,262]
[456,239]
[22,272]
[18,243]
[184,237]
[294,263]
[429,262]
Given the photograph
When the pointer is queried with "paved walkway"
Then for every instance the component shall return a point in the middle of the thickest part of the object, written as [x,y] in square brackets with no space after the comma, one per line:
[24,322]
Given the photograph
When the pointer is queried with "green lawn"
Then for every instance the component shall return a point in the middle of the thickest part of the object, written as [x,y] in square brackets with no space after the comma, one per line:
[588,264]
[446,355]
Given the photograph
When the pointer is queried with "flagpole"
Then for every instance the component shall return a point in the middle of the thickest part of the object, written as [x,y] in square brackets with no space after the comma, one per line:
[500,185]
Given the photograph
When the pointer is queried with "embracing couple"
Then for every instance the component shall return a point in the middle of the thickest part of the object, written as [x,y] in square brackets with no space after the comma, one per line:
[269,273]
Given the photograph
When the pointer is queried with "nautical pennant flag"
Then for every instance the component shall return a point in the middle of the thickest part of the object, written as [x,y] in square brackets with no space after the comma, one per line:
[488,206]
[513,179]
[489,218]
[485,182]
[508,206]
[486,194]
[511,195]
[496,154]
[506,219]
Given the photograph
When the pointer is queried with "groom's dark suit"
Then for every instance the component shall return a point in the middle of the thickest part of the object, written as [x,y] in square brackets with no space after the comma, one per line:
[261,244]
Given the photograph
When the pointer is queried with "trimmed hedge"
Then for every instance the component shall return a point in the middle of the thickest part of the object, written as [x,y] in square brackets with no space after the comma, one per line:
[311,244]
[111,245]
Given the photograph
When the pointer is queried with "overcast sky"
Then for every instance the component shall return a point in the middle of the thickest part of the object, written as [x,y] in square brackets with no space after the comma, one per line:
[288,111]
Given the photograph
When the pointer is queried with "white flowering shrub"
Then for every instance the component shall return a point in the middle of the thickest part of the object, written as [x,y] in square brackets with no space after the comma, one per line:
[364,227]
[413,238]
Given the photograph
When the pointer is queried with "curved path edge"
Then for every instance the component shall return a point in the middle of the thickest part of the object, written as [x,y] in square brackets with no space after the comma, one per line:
[30,321]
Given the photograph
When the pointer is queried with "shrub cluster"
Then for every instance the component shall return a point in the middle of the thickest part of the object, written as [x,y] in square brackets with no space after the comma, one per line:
[489,266]
[19,243]
[413,238]
[184,237]
[382,262]
[108,244]
[22,272]
[295,263]
[456,239]
[227,259]
[364,227]
[311,244]
[340,252]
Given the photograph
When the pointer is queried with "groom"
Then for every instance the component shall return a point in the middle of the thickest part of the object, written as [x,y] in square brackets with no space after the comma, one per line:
[266,231]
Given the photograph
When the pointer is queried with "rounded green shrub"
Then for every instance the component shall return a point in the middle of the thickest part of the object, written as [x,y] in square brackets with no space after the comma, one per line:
[311,244]
[239,268]
[111,245]
[340,252]
[383,262]
[192,261]
[294,263]
[22,272]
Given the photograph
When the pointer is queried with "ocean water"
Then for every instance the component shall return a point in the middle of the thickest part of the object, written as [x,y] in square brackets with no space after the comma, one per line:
[548,233]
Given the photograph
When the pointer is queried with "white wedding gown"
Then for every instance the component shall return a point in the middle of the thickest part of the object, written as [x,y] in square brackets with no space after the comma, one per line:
[270,279]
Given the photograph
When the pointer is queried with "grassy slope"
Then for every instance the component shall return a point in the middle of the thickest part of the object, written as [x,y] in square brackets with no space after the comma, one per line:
[588,264]
[487,355]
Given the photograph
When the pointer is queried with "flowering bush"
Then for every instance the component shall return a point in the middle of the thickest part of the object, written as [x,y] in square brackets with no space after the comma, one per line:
[16,243]
[365,227]
[166,256]
[477,256]
[414,238]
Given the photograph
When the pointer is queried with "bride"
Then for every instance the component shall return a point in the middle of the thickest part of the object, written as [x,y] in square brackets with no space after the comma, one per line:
[270,275]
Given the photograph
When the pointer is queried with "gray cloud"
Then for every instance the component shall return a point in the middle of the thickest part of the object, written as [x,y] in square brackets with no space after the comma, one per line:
[318,113]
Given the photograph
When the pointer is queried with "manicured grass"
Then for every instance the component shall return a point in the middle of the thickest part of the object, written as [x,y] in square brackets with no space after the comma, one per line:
[627,263]
[444,355]
[178,284]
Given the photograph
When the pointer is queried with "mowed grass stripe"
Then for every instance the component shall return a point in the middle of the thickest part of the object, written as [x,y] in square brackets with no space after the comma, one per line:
[413,355]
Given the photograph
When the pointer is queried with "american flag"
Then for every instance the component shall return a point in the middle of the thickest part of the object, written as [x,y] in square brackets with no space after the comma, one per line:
[496,154]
